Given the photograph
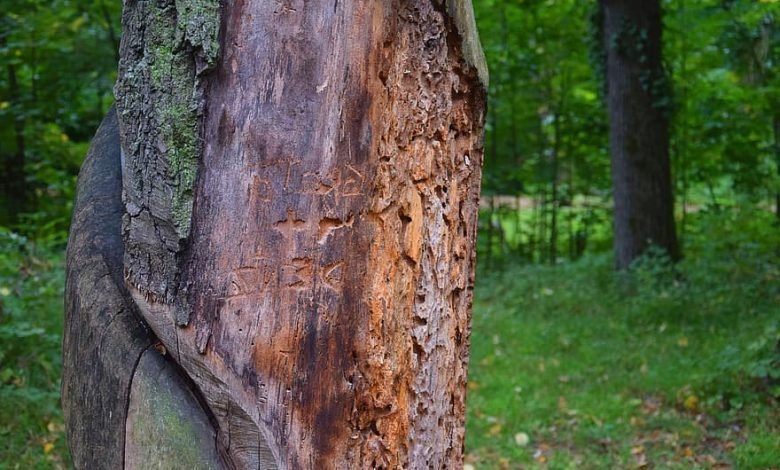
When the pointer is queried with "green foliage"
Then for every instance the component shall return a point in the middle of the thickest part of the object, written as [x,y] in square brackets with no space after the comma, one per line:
[62,55]
[31,429]
[547,137]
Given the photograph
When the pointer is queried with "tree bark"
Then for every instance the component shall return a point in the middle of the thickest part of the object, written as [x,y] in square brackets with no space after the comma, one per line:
[300,189]
[112,363]
[638,103]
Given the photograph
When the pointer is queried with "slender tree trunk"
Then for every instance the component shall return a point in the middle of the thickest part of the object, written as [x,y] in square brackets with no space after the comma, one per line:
[541,235]
[682,147]
[638,104]
[571,212]
[533,229]
[492,210]
[519,244]
[776,128]
[554,186]
[300,188]
[14,187]
[110,32]
[543,214]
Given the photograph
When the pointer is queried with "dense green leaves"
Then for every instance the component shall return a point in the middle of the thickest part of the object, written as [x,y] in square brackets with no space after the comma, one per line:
[57,69]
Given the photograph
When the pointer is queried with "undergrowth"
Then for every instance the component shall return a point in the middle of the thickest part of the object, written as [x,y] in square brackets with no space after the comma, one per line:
[31,289]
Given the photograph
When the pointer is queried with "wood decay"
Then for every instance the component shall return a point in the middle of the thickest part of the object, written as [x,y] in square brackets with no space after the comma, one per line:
[317,305]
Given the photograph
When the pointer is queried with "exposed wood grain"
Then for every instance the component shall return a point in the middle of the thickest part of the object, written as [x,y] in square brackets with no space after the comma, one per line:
[107,349]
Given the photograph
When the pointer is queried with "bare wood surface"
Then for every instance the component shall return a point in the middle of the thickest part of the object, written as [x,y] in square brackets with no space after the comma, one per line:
[114,380]
[166,426]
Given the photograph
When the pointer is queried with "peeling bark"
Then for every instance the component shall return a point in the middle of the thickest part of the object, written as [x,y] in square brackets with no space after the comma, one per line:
[317,298]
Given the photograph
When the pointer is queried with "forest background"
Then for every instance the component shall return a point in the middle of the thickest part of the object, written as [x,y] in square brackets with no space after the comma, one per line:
[667,364]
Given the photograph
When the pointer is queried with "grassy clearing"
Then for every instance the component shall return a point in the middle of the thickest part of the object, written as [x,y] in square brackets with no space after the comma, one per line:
[668,368]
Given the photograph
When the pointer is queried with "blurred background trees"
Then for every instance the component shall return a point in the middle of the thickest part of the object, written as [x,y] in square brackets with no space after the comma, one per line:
[58,70]
[547,138]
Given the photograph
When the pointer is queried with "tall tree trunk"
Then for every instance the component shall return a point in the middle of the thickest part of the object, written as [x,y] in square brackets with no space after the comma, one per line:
[13,183]
[300,188]
[776,129]
[638,103]
[556,150]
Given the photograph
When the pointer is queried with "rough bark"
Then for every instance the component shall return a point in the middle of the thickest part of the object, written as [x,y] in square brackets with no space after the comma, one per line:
[300,212]
[638,106]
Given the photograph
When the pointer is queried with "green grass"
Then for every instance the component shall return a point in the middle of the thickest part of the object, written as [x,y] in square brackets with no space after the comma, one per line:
[663,367]
[669,366]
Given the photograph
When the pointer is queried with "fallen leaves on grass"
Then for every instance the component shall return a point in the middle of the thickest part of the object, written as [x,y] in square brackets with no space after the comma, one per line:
[640,457]
[691,403]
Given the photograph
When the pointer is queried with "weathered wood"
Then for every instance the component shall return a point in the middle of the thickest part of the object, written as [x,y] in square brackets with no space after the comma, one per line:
[103,337]
[166,46]
[166,426]
[301,203]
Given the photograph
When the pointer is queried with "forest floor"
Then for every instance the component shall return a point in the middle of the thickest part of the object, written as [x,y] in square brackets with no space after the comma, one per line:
[571,366]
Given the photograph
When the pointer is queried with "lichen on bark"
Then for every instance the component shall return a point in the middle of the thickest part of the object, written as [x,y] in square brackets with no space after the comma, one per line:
[167,47]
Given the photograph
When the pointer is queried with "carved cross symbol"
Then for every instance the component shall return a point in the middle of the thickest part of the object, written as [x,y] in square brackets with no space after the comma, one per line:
[290,225]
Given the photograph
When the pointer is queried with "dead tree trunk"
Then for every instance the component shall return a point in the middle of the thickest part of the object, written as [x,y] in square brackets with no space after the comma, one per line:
[290,283]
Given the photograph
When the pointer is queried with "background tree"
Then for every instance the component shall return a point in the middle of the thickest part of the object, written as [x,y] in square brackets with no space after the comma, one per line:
[300,187]
[639,104]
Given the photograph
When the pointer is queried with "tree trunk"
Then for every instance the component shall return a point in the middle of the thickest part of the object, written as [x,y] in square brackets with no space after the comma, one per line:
[14,189]
[300,188]
[554,203]
[638,104]
[776,135]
